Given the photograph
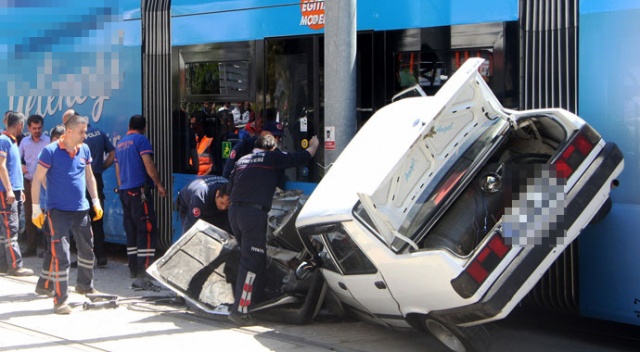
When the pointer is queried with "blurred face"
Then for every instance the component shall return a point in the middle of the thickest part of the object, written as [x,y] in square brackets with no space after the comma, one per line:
[36,130]
[222,203]
[76,134]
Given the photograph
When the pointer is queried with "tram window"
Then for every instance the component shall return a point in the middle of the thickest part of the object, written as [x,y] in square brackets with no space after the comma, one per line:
[431,69]
[229,78]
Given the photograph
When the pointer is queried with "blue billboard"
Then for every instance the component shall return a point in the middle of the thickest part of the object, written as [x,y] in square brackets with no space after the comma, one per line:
[73,55]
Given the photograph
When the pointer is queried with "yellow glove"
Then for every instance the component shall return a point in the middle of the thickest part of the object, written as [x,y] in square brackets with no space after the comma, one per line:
[97,209]
[37,216]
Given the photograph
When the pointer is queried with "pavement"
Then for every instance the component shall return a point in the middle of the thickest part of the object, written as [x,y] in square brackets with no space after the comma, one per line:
[27,322]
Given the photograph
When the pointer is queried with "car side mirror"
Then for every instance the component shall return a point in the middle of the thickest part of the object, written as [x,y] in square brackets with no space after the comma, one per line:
[304,269]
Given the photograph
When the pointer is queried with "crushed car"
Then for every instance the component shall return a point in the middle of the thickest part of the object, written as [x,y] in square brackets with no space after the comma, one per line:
[440,215]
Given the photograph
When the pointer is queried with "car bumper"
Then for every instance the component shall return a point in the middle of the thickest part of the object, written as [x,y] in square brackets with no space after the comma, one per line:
[497,298]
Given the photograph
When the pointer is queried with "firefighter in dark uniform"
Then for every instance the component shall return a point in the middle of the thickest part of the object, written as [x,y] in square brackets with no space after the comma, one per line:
[247,145]
[206,199]
[252,184]
[136,174]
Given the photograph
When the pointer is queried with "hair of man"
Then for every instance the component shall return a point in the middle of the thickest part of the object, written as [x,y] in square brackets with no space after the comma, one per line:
[35,119]
[266,142]
[56,132]
[15,118]
[74,121]
[137,123]
[223,190]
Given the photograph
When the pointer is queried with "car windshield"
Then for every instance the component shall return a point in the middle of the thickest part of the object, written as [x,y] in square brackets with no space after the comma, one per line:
[454,173]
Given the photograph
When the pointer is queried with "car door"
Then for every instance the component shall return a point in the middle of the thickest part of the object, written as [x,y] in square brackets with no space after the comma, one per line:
[355,280]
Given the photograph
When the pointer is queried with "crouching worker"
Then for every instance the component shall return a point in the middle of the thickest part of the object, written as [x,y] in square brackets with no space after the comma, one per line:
[65,166]
[205,199]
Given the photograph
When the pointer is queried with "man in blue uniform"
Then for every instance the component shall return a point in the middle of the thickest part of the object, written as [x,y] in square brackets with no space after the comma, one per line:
[11,186]
[99,145]
[136,174]
[66,168]
[253,183]
[206,199]
[44,286]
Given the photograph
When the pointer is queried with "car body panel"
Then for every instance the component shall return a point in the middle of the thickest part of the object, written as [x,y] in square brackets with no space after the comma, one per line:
[441,145]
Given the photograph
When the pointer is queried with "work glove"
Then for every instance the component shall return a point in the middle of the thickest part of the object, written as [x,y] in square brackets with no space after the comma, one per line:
[97,208]
[37,217]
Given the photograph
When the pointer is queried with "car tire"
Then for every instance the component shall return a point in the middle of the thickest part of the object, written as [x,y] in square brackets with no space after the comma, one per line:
[459,339]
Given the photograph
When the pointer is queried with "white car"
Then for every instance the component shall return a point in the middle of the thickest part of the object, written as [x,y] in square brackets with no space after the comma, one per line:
[444,211]
[441,214]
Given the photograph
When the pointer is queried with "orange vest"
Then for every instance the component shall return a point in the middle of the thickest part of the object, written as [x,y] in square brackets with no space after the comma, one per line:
[205,157]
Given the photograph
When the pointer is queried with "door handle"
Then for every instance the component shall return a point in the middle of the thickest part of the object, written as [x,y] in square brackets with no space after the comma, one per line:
[380,284]
[342,286]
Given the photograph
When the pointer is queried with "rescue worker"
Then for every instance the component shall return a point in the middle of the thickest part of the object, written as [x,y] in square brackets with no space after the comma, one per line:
[11,186]
[65,168]
[136,174]
[99,145]
[204,145]
[253,184]
[44,286]
[206,199]
[246,145]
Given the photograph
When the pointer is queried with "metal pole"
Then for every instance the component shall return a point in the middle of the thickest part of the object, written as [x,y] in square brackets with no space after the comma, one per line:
[339,77]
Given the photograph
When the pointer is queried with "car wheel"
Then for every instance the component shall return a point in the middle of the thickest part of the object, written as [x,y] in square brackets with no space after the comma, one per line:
[459,339]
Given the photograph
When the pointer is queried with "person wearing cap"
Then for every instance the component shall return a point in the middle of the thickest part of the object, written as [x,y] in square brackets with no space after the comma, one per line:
[252,185]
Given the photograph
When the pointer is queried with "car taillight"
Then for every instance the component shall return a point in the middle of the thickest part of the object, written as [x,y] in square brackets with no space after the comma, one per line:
[474,275]
[573,155]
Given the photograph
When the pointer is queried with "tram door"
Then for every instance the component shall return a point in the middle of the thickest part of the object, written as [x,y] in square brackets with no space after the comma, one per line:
[293,97]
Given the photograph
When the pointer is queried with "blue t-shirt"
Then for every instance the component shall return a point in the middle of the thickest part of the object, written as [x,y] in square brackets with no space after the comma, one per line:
[129,152]
[9,150]
[66,176]
[99,144]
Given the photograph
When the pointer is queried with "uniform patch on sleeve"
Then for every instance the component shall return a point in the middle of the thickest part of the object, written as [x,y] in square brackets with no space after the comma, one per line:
[196,212]
[233,154]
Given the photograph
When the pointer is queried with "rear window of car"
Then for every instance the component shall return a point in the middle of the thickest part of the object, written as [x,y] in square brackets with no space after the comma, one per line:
[438,194]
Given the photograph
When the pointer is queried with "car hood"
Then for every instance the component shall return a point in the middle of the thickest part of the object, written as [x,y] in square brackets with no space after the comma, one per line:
[400,149]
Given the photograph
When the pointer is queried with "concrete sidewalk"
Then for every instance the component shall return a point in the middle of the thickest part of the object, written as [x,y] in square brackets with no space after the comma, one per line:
[27,322]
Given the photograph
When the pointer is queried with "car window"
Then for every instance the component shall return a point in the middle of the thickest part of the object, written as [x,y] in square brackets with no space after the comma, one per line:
[337,251]
[432,199]
[347,254]
[445,184]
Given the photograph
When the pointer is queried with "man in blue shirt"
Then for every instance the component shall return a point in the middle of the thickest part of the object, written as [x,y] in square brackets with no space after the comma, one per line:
[66,168]
[99,145]
[44,286]
[30,147]
[11,186]
[136,174]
